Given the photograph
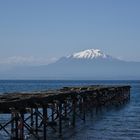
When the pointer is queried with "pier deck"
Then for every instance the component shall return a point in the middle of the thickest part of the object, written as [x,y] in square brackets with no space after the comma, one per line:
[35,113]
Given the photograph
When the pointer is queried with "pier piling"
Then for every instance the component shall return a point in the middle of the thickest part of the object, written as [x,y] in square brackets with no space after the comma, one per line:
[33,113]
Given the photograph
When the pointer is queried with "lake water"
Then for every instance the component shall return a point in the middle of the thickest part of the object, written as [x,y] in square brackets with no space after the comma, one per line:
[121,123]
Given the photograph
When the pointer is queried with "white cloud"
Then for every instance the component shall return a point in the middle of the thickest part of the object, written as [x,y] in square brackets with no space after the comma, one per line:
[28,60]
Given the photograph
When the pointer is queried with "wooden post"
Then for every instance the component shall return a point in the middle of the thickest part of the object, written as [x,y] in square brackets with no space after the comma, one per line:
[16,125]
[65,109]
[97,102]
[81,105]
[12,125]
[74,111]
[53,112]
[84,109]
[128,90]
[60,119]
[36,120]
[22,126]
[44,122]
[32,120]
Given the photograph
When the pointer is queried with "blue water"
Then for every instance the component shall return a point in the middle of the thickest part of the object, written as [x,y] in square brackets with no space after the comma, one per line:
[36,85]
[114,124]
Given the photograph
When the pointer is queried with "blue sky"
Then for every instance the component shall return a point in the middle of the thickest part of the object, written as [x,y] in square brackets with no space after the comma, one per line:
[40,31]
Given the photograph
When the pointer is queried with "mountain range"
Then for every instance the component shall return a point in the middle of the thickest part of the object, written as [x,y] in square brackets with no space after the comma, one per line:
[91,64]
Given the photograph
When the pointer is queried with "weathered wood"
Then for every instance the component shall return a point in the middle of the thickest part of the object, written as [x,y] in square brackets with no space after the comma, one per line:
[65,105]
[60,119]
[45,122]
[22,126]
[74,111]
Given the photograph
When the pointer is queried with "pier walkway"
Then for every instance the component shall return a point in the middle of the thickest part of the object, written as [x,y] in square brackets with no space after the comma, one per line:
[35,114]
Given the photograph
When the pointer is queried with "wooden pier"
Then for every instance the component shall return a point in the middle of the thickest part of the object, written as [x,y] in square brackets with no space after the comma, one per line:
[34,114]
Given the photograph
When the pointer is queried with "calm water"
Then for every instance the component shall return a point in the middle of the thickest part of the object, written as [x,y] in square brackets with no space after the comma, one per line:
[115,124]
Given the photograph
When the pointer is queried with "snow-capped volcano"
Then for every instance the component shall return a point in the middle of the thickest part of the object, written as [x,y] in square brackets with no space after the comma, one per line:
[91,64]
[89,54]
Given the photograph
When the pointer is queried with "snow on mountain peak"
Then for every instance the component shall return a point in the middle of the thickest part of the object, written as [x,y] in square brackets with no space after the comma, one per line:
[89,54]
